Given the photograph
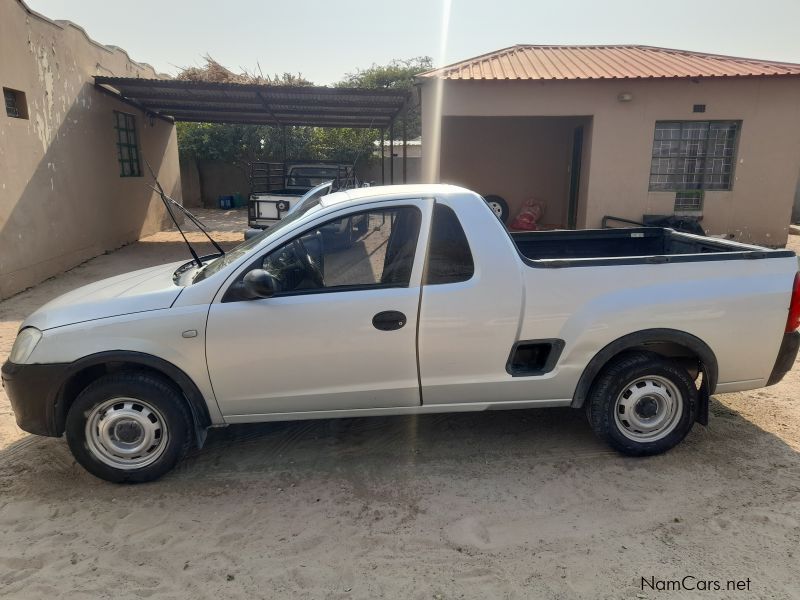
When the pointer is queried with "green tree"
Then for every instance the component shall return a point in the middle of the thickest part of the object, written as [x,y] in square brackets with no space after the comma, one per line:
[398,74]
[234,143]
[242,144]
[351,145]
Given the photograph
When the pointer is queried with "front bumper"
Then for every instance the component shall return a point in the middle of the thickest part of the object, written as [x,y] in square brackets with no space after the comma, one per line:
[34,394]
[786,357]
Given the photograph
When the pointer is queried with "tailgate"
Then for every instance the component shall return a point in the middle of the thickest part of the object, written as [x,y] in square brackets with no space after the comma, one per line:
[271,207]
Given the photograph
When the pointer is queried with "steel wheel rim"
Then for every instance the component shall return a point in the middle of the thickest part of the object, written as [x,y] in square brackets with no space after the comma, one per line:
[648,408]
[126,433]
[496,208]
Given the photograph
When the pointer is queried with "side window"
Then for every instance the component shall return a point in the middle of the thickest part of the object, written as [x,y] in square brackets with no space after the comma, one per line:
[449,256]
[369,249]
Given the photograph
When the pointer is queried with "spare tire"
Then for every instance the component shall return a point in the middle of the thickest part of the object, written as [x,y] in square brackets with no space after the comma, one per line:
[498,206]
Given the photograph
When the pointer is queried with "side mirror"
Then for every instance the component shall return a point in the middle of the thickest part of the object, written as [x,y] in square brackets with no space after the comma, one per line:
[259,283]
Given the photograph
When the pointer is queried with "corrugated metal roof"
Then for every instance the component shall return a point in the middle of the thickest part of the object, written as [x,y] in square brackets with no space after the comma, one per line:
[211,102]
[527,62]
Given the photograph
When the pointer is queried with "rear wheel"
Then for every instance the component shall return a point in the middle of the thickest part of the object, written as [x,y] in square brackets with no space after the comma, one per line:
[642,404]
[129,427]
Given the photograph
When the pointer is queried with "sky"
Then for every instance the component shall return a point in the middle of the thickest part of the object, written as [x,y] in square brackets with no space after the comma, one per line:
[325,39]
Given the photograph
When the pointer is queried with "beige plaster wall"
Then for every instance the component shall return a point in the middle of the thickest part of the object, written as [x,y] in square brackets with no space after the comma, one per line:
[218,178]
[514,157]
[62,200]
[191,189]
[370,171]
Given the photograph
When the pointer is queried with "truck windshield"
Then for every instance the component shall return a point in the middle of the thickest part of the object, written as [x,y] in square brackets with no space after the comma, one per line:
[308,177]
[215,265]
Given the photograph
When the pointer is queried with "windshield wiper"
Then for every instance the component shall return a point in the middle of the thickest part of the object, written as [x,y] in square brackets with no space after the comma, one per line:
[168,204]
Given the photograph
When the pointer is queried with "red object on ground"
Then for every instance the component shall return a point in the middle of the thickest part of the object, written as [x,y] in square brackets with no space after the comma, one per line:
[528,216]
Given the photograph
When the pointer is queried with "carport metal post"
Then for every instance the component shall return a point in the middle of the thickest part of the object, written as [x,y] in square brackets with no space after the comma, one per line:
[405,146]
[383,170]
[391,153]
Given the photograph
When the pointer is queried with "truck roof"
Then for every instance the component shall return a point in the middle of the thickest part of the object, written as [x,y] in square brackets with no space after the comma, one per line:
[392,191]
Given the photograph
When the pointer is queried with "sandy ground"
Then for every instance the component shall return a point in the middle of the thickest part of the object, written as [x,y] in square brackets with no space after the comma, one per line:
[520,504]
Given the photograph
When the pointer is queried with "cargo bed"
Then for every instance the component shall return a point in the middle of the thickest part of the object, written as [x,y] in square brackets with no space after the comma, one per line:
[634,245]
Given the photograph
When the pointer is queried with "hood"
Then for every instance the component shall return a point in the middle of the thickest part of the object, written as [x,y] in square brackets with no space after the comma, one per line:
[137,291]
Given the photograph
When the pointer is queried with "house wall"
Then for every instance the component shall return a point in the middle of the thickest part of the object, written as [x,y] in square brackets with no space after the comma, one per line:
[191,190]
[203,182]
[219,178]
[62,200]
[370,171]
[413,150]
[796,207]
[756,210]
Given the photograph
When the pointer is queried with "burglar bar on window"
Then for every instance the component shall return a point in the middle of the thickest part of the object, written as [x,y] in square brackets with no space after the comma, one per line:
[693,155]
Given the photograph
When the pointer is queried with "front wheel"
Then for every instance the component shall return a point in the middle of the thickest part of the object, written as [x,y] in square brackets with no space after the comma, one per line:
[642,404]
[129,427]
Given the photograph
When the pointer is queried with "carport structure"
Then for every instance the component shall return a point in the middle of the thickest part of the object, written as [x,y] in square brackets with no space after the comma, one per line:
[259,104]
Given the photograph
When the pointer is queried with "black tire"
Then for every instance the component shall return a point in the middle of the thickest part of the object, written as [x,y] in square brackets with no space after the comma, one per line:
[173,417]
[606,405]
[496,203]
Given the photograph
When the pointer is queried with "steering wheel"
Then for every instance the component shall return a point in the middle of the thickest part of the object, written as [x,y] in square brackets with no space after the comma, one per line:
[311,267]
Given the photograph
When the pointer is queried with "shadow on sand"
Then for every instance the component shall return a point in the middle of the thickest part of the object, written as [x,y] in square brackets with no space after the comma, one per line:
[458,445]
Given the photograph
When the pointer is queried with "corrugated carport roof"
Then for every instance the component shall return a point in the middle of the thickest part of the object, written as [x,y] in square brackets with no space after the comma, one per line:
[209,102]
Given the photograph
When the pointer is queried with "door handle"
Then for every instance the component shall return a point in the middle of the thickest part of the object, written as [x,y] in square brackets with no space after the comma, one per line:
[389,320]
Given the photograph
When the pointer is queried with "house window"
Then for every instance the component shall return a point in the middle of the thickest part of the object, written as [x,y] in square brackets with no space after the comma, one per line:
[693,155]
[689,202]
[127,146]
[16,105]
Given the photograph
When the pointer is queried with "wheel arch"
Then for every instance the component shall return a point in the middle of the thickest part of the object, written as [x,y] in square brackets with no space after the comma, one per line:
[671,343]
[84,371]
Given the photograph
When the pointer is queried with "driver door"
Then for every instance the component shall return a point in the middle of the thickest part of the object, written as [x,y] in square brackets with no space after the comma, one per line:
[341,332]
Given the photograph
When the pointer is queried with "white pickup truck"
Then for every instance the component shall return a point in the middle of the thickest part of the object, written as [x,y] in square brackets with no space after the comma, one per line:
[430,305]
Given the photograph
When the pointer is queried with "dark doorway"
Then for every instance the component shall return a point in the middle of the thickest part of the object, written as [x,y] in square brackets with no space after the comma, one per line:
[575,176]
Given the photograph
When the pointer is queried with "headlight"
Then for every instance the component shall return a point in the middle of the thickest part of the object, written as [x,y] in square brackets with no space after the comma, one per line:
[24,344]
